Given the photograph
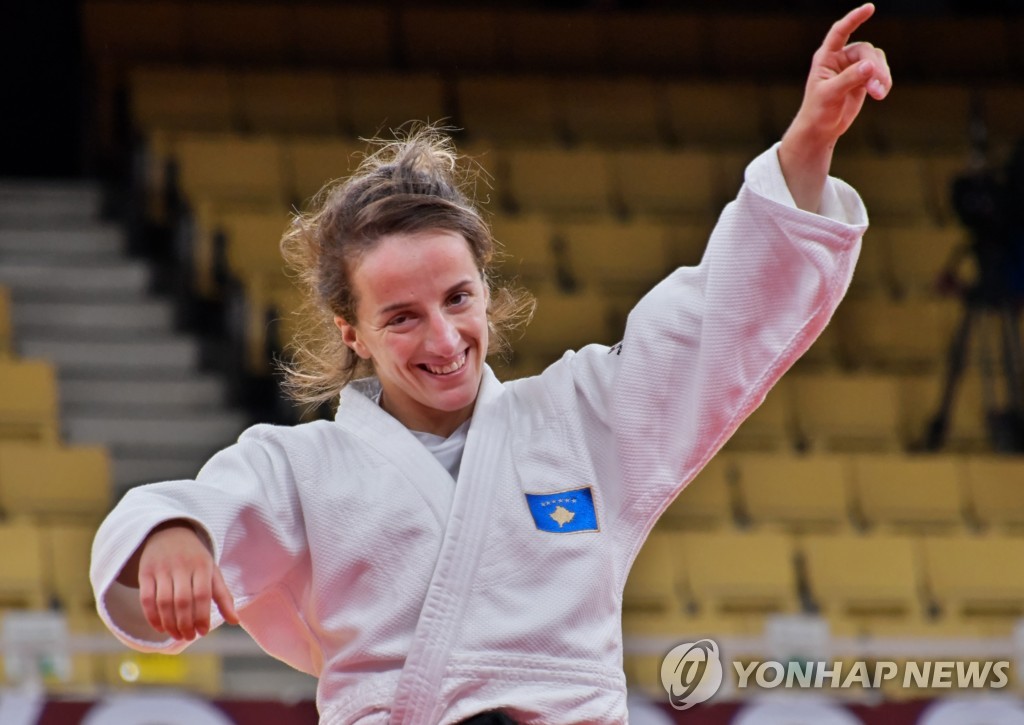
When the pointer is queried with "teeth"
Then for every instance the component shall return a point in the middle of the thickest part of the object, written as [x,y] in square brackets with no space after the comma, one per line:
[450,367]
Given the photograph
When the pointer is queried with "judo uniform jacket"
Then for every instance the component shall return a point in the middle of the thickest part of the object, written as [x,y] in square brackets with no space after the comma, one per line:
[415,599]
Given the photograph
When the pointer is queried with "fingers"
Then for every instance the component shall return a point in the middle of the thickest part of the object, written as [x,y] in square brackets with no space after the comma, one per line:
[840,32]
[867,68]
[222,597]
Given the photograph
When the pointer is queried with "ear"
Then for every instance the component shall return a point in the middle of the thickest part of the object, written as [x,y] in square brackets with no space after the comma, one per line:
[350,336]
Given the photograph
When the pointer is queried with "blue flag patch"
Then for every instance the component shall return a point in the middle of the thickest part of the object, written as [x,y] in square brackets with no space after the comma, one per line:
[565,512]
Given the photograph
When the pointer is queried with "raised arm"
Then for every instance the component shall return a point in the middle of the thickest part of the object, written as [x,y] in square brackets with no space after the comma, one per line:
[842,75]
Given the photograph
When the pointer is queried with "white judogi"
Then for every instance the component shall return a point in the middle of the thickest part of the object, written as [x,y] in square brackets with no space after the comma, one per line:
[352,556]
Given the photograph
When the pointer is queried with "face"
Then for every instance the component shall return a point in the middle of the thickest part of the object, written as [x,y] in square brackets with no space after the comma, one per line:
[422,320]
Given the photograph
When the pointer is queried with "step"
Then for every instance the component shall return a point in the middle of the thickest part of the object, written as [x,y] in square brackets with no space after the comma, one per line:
[36,319]
[194,392]
[205,431]
[60,277]
[165,353]
[96,241]
[132,471]
[46,201]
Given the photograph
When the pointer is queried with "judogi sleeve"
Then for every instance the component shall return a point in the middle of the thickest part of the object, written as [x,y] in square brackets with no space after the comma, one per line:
[243,501]
[703,348]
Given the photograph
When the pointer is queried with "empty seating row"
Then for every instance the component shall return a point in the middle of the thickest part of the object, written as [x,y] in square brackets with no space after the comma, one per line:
[54,483]
[122,31]
[832,493]
[45,564]
[28,400]
[861,580]
[544,109]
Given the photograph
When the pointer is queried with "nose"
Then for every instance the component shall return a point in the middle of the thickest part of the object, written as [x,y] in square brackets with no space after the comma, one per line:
[443,338]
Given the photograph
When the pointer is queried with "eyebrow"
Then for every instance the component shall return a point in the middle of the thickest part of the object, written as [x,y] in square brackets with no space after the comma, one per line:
[399,305]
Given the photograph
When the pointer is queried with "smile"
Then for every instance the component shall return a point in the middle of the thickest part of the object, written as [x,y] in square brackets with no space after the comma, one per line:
[452,367]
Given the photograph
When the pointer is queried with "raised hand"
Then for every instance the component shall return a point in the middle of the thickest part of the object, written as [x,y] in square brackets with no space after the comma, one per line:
[842,75]
[177,580]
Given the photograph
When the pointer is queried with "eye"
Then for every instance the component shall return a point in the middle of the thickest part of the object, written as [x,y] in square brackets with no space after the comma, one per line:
[458,298]
[399,319]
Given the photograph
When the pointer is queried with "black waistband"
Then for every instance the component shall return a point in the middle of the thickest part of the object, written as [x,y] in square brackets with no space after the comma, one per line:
[489,718]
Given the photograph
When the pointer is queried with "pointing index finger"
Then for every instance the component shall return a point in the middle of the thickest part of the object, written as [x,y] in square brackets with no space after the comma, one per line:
[839,35]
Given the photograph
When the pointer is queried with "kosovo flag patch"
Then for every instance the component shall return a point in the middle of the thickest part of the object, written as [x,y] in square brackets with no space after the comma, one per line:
[565,512]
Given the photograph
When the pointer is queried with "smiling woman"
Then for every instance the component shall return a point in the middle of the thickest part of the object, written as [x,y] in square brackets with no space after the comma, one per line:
[451,548]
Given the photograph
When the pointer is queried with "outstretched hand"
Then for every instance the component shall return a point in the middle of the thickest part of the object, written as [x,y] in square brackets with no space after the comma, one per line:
[842,75]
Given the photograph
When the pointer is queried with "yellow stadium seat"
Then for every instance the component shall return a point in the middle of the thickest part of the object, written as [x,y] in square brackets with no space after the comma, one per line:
[67,549]
[740,573]
[918,256]
[238,32]
[284,102]
[6,325]
[527,251]
[344,35]
[253,242]
[22,567]
[55,482]
[909,493]
[28,401]
[373,103]
[675,184]
[566,322]
[672,42]
[872,277]
[706,502]
[967,427]
[836,411]
[560,182]
[973,576]
[508,108]
[805,493]
[653,585]
[312,163]
[995,487]
[688,242]
[174,99]
[771,427]
[625,258]
[611,112]
[451,38]
[721,115]
[906,335]
[892,186]
[231,170]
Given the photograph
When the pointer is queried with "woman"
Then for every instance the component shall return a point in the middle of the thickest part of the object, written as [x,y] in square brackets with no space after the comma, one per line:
[451,548]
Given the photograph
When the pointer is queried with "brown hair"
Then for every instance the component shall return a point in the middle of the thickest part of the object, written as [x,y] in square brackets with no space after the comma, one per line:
[416,182]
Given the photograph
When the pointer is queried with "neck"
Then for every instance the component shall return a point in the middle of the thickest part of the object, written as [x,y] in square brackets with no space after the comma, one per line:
[437,422]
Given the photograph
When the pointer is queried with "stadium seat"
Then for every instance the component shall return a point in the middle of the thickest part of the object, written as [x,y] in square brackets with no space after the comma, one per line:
[872,277]
[231,170]
[771,427]
[909,335]
[967,427]
[611,112]
[283,102]
[566,322]
[716,115]
[618,258]
[909,493]
[918,256]
[508,108]
[706,502]
[28,401]
[550,40]
[560,182]
[864,579]
[374,103]
[654,583]
[764,46]
[687,242]
[67,549]
[312,163]
[836,411]
[679,185]
[892,186]
[22,568]
[796,494]
[527,252]
[55,483]
[654,42]
[995,487]
[924,118]
[176,99]
[970,576]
